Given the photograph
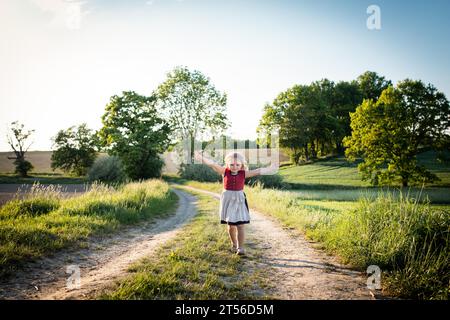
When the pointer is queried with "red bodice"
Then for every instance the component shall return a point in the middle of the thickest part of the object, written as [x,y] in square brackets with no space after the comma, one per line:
[233,182]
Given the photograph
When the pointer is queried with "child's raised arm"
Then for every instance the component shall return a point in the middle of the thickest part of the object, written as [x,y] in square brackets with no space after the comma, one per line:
[260,171]
[210,163]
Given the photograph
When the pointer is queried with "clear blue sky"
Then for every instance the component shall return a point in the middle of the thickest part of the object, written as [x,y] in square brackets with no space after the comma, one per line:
[61,61]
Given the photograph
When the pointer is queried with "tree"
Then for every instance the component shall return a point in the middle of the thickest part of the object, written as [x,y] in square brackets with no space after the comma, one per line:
[346,97]
[388,133]
[320,100]
[133,130]
[313,119]
[306,119]
[286,114]
[17,142]
[76,150]
[192,105]
[371,85]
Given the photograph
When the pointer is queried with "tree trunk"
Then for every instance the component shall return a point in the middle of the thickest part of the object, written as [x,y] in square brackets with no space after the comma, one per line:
[313,150]
[257,154]
[339,147]
[191,149]
[405,178]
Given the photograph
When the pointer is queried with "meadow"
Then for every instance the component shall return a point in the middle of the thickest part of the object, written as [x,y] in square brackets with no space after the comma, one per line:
[337,179]
[337,172]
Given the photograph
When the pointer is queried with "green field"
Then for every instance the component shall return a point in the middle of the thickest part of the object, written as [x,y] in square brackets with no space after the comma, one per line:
[339,173]
[434,195]
[336,179]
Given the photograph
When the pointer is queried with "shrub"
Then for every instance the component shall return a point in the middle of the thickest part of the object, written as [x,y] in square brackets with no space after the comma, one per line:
[267,181]
[151,168]
[107,169]
[198,172]
[22,167]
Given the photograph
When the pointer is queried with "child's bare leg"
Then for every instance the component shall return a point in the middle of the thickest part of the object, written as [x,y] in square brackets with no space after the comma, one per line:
[232,233]
[240,235]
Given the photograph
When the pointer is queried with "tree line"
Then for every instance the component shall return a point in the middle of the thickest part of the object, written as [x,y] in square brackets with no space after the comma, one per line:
[136,128]
[313,119]
[368,118]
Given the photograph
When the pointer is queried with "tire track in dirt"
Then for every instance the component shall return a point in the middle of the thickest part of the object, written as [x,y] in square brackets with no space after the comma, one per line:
[298,270]
[101,263]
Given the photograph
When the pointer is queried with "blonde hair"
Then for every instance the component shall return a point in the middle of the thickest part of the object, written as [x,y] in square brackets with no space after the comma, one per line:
[239,158]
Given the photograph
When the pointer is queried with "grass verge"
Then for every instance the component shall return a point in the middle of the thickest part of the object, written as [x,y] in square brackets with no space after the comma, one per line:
[44,222]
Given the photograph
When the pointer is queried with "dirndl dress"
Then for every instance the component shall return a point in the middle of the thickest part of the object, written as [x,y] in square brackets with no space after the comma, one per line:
[234,208]
[233,202]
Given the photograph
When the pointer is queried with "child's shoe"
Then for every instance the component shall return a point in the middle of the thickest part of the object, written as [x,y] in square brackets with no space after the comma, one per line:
[240,251]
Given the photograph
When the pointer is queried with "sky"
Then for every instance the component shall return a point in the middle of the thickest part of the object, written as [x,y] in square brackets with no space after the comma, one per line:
[61,61]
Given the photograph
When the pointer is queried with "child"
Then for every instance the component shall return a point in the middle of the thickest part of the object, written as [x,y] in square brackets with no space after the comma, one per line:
[233,203]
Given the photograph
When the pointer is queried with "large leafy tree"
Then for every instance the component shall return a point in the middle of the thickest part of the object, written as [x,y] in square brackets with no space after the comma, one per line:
[305,117]
[389,133]
[325,124]
[288,115]
[18,141]
[134,131]
[346,97]
[75,149]
[372,84]
[193,106]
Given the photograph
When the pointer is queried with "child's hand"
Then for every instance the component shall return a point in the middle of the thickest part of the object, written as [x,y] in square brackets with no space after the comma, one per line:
[275,165]
[269,170]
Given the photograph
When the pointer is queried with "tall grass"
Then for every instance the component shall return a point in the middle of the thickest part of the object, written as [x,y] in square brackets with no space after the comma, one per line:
[406,237]
[408,240]
[44,221]
[38,200]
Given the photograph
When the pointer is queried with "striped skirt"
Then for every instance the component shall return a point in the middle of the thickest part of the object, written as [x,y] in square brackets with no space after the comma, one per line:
[234,208]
